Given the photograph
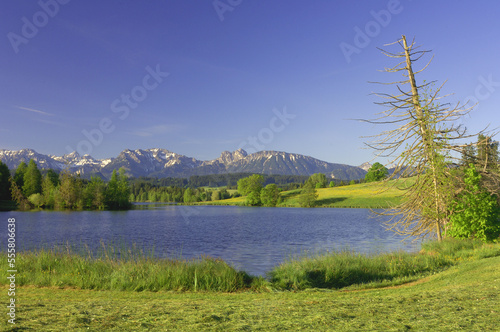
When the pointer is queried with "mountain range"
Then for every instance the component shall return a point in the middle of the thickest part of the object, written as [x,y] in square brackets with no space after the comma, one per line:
[163,163]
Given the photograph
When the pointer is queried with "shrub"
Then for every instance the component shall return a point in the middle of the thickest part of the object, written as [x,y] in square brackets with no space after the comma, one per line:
[475,212]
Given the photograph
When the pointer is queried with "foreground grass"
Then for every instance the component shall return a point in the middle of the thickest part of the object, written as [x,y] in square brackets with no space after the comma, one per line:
[119,268]
[465,297]
[365,195]
[113,268]
[348,269]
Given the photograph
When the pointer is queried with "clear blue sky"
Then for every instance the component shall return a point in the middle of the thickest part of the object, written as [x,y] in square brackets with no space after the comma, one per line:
[101,67]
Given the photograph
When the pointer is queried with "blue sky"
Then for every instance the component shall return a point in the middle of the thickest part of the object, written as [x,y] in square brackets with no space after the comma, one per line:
[201,77]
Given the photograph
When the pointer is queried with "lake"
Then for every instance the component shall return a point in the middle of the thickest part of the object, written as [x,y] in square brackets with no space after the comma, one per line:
[253,239]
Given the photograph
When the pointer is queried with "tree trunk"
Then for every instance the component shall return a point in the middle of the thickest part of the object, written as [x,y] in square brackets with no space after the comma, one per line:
[424,131]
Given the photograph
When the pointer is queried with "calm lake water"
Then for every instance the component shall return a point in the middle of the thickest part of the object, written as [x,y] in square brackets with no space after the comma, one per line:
[251,239]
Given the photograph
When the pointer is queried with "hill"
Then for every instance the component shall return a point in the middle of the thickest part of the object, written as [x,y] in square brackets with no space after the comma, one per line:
[365,195]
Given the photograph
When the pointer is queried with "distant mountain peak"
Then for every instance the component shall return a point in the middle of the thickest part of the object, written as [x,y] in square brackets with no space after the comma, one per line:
[73,154]
[227,157]
[157,162]
[366,166]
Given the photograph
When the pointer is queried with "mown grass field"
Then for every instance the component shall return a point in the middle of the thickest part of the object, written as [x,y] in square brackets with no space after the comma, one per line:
[366,195]
[463,298]
[461,292]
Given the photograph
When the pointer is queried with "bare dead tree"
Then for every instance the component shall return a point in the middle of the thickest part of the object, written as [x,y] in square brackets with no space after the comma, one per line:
[421,144]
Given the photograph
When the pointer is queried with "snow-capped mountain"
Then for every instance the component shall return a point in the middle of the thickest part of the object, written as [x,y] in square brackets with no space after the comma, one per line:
[72,162]
[366,166]
[164,163]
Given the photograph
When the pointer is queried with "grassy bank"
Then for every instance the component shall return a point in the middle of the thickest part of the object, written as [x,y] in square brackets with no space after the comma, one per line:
[115,268]
[118,268]
[463,297]
[348,269]
[366,195]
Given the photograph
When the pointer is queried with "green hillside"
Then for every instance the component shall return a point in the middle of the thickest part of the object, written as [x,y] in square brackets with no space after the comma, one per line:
[365,195]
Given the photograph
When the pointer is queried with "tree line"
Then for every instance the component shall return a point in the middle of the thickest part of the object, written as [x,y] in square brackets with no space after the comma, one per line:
[228,180]
[259,194]
[29,189]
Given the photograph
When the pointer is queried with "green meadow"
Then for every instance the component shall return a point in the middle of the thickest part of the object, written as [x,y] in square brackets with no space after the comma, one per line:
[365,195]
[448,286]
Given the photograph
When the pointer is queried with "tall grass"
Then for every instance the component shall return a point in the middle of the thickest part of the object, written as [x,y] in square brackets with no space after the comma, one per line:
[128,268]
[115,269]
[345,268]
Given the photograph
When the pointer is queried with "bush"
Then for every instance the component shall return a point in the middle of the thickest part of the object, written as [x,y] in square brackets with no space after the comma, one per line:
[475,212]
[269,195]
[36,199]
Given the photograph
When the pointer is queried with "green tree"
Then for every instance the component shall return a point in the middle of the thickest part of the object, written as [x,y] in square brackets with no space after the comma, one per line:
[318,180]
[165,197]
[475,212]
[4,183]
[377,172]
[32,180]
[19,175]
[18,197]
[69,195]
[215,195]
[332,184]
[243,185]
[94,194]
[118,191]
[308,195]
[112,191]
[224,194]
[469,156]
[53,176]
[48,191]
[487,153]
[254,187]
[123,190]
[487,164]
[36,200]
[152,196]
[189,196]
[270,195]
